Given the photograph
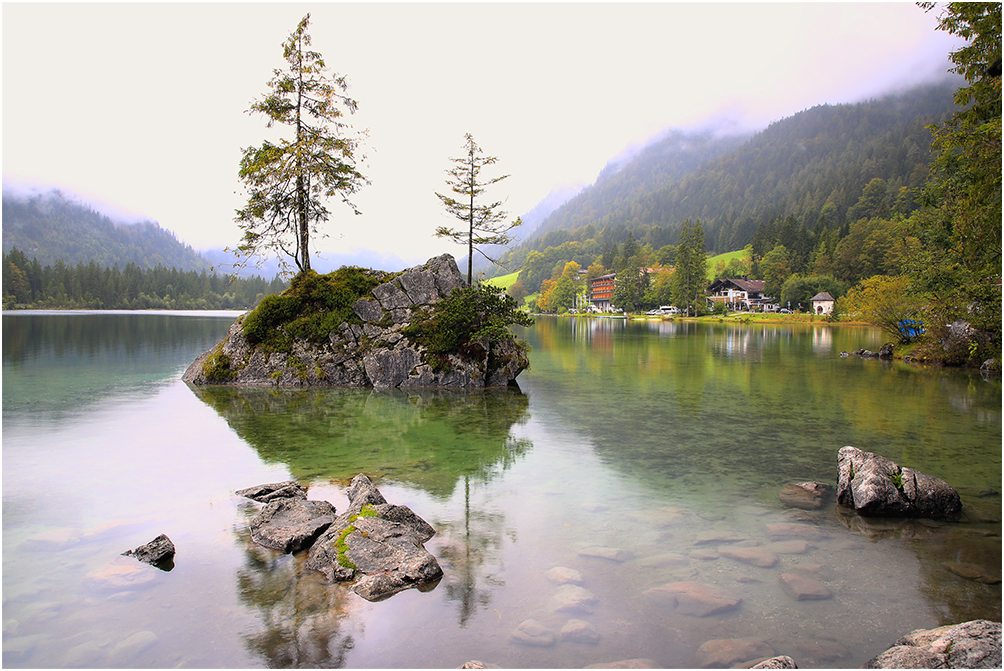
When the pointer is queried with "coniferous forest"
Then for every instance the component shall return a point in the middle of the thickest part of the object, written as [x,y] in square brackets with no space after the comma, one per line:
[27,283]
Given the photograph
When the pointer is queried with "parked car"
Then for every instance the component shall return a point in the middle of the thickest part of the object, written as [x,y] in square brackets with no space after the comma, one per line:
[784,311]
[670,310]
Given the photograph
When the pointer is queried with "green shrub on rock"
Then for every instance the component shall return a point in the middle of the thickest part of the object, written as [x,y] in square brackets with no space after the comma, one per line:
[312,307]
[217,368]
[467,323]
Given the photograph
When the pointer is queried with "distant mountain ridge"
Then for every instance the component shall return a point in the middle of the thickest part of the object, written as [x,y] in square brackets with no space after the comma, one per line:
[794,167]
[51,227]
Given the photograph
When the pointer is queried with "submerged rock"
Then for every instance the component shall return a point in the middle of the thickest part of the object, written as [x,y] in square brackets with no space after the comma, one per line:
[579,631]
[724,652]
[755,556]
[804,495]
[972,572]
[369,350]
[159,552]
[533,633]
[564,576]
[572,598]
[693,598]
[970,645]
[610,554]
[803,588]
[874,485]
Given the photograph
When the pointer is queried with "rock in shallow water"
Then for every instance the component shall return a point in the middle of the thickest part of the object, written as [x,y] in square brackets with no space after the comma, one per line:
[804,495]
[276,490]
[158,552]
[579,631]
[874,485]
[725,652]
[291,524]
[693,598]
[753,556]
[378,543]
[970,645]
[610,554]
[572,598]
[533,633]
[781,662]
[803,588]
[561,575]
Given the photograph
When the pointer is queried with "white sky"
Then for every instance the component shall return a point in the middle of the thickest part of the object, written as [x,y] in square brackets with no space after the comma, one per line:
[142,105]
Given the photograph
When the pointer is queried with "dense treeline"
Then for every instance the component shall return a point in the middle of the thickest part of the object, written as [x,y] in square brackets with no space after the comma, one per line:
[811,166]
[52,227]
[780,248]
[846,200]
[91,286]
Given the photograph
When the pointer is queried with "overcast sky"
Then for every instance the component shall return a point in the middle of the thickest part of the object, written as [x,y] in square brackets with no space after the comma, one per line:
[142,106]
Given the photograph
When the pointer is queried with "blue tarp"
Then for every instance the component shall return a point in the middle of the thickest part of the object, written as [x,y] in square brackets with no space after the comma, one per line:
[911,328]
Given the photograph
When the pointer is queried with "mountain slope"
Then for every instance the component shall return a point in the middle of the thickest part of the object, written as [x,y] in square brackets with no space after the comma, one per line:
[796,166]
[50,227]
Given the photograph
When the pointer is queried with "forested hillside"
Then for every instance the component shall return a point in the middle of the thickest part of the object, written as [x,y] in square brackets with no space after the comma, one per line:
[50,227]
[811,166]
[27,283]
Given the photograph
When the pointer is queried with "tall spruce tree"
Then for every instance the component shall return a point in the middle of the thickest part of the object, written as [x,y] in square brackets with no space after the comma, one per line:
[691,267]
[486,224]
[288,183]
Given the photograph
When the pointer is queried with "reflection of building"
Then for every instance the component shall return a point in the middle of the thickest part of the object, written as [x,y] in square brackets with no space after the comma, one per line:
[822,340]
[822,303]
[601,291]
[738,293]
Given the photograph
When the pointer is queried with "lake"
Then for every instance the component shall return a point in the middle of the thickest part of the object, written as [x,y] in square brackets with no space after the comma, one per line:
[666,440]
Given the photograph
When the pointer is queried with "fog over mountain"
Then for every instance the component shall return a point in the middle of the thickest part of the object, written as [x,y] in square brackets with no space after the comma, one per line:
[644,168]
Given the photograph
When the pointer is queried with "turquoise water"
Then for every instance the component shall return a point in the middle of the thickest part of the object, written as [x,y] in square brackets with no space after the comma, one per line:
[666,440]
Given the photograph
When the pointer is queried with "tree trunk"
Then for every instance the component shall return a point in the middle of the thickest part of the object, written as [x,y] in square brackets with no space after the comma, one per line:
[301,221]
[470,237]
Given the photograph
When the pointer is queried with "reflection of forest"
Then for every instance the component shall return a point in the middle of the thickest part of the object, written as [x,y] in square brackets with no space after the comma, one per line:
[301,616]
[777,398]
[430,439]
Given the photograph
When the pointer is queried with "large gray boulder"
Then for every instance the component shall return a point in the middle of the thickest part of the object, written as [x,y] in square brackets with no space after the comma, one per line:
[291,524]
[874,485]
[372,351]
[970,645]
[377,544]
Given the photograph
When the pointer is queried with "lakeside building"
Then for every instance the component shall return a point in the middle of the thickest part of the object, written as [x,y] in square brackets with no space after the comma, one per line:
[739,293]
[822,303]
[601,291]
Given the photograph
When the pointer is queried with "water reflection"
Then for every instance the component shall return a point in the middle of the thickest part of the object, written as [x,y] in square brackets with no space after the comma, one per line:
[104,350]
[470,553]
[303,621]
[434,440]
[430,439]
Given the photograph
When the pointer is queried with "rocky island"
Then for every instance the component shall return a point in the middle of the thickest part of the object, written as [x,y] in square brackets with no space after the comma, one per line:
[422,327]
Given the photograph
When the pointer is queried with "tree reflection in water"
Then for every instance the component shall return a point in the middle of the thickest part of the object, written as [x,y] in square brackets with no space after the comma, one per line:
[429,439]
[471,557]
[302,616]
[432,440]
